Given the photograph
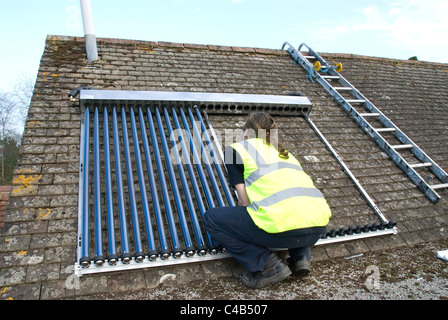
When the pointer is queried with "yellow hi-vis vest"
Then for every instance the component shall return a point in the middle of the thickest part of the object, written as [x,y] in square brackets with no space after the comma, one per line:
[282,195]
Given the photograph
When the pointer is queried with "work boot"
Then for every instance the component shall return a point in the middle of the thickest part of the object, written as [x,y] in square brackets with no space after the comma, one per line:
[300,266]
[274,271]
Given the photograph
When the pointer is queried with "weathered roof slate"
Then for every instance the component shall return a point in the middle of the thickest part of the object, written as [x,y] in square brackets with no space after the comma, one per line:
[38,239]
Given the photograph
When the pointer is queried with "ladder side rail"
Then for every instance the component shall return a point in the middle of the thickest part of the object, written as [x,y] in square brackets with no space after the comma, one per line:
[382,143]
[412,174]
[299,58]
[385,146]
[312,53]
[401,136]
[423,157]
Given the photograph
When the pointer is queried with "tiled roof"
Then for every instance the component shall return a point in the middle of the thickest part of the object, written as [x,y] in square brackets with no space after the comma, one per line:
[38,239]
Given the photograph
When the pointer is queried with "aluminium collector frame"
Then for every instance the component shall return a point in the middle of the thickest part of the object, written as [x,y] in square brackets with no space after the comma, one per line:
[207,102]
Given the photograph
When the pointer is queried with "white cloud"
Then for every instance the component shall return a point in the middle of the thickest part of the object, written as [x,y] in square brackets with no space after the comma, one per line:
[412,27]
[374,20]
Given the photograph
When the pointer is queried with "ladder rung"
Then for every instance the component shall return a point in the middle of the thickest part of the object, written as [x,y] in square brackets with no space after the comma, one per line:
[331,77]
[421,165]
[310,57]
[370,115]
[403,146]
[440,186]
[385,130]
[342,88]
[356,101]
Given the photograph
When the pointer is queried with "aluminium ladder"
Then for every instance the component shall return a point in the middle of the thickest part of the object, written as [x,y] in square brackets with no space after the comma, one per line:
[326,76]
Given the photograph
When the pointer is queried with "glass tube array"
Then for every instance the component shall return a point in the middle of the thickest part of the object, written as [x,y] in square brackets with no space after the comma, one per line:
[148,173]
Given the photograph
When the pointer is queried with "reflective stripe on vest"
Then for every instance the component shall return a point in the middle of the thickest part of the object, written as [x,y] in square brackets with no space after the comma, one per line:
[285,194]
[257,174]
[282,196]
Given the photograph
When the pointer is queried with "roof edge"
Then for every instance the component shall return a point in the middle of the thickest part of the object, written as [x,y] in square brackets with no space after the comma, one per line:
[166,44]
[372,58]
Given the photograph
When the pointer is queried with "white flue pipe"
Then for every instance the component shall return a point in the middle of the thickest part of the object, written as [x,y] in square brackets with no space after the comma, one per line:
[89,32]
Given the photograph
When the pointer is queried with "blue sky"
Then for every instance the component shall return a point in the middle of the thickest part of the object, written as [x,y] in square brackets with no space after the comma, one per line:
[393,29]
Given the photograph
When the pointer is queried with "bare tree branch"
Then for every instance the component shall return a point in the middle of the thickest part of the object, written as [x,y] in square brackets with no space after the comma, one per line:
[13,112]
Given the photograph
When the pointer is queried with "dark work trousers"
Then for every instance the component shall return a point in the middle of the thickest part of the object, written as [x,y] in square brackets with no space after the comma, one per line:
[234,230]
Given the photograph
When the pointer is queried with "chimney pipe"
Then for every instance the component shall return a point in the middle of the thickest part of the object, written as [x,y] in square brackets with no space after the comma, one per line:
[89,33]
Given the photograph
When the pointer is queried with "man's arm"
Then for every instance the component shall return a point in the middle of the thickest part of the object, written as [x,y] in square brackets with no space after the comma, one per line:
[243,200]
[235,169]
